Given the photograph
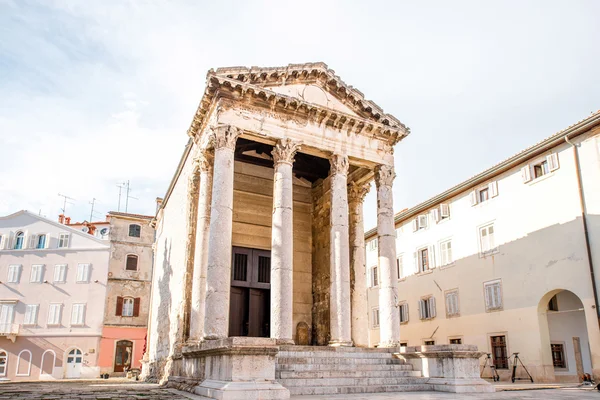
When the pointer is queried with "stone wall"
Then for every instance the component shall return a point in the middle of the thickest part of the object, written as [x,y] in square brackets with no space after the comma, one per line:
[252,213]
[321,267]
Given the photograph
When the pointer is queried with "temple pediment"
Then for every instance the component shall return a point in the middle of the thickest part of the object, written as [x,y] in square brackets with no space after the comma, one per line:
[313,83]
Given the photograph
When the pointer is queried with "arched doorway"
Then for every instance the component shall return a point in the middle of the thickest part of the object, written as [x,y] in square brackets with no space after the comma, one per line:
[123,355]
[74,359]
[564,336]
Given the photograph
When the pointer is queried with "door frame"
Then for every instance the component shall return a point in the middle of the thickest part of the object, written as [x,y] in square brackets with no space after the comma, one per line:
[115,351]
[66,362]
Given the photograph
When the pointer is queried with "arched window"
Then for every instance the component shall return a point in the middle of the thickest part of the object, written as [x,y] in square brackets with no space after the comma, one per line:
[132,262]
[3,362]
[19,240]
[128,306]
[135,230]
[41,242]
[24,363]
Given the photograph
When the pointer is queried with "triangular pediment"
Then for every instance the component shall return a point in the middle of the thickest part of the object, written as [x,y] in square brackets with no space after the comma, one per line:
[314,83]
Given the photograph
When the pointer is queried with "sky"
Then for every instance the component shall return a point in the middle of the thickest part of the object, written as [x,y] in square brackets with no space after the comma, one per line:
[95,93]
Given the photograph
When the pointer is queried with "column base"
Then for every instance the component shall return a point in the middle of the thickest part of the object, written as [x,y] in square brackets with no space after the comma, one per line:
[223,390]
[340,343]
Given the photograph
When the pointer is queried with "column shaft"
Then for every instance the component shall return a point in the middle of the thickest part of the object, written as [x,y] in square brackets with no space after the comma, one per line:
[282,243]
[340,254]
[358,275]
[205,161]
[218,271]
[389,317]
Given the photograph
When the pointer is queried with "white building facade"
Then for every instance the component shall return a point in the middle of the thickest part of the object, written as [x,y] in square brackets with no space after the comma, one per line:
[506,261]
[51,277]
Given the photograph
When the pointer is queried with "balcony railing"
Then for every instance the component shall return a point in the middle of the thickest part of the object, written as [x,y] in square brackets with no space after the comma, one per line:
[9,330]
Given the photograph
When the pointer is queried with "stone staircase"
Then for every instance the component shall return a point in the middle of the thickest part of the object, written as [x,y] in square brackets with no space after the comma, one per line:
[312,370]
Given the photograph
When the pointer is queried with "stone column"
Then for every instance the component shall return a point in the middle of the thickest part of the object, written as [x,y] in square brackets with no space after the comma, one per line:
[218,271]
[389,317]
[358,274]
[339,307]
[282,242]
[205,163]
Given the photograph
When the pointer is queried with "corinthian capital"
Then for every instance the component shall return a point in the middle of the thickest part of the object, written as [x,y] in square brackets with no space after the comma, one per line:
[225,137]
[284,151]
[339,164]
[204,159]
[358,191]
[384,175]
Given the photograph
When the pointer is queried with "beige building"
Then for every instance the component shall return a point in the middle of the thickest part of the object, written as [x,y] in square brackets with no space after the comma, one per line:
[51,279]
[259,253]
[506,261]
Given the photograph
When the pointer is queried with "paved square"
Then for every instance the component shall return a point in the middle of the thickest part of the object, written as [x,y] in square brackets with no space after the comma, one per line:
[117,389]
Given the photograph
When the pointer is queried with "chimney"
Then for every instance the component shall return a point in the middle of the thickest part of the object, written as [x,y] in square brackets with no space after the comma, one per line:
[61,218]
[67,220]
[92,229]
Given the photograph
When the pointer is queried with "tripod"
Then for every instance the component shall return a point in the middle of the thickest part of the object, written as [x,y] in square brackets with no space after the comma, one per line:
[517,360]
[490,363]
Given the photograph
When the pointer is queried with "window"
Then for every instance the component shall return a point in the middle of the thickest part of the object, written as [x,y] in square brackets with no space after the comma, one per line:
[3,362]
[83,273]
[441,212]
[60,273]
[135,230]
[420,222]
[375,318]
[558,355]
[429,342]
[427,308]
[499,352]
[14,273]
[1,243]
[372,245]
[37,274]
[485,193]
[7,315]
[54,314]
[452,308]
[553,304]
[456,341]
[31,314]
[403,344]
[487,241]
[19,241]
[63,240]
[400,266]
[493,295]
[374,277]
[403,313]
[41,242]
[132,263]
[78,314]
[423,259]
[128,307]
[446,252]
[540,168]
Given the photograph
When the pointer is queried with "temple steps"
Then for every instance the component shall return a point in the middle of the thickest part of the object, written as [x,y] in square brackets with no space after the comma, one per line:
[307,370]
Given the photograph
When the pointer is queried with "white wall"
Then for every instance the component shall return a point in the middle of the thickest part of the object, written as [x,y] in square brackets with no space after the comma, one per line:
[541,248]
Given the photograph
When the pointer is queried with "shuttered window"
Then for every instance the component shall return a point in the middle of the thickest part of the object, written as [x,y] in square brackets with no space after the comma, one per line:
[403,312]
[78,314]
[63,240]
[485,193]
[452,307]
[135,230]
[37,273]
[400,266]
[54,314]
[83,273]
[487,240]
[60,273]
[427,308]
[540,168]
[493,295]
[374,277]
[446,252]
[14,273]
[31,314]
[128,307]
[132,263]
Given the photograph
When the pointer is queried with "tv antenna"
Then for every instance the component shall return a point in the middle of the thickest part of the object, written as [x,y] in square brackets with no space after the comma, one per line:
[127,187]
[92,212]
[65,201]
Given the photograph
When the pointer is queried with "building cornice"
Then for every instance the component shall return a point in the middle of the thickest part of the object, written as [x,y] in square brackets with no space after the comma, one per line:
[219,86]
[557,139]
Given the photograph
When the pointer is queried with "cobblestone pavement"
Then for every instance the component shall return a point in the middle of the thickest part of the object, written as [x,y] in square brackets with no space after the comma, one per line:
[103,390]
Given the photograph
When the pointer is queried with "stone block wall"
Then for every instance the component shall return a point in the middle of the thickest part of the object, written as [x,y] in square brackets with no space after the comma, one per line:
[321,278]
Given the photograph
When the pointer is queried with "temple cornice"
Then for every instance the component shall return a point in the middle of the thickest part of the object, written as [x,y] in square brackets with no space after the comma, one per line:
[224,87]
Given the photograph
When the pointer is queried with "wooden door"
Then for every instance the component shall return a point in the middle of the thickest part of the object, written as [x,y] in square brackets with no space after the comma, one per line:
[238,311]
[123,354]
[259,313]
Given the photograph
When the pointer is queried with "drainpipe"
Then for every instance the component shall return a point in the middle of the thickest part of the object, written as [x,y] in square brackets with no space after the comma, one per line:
[585,226]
